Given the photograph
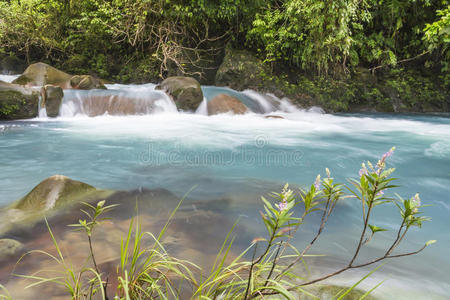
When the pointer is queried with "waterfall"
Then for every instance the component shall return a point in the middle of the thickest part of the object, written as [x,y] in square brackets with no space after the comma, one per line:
[266,103]
[120,99]
[116,100]
[8,78]
[202,108]
[42,111]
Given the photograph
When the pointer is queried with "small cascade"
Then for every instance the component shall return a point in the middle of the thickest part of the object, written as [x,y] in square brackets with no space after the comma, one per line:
[257,102]
[116,100]
[42,111]
[202,108]
[267,103]
[8,78]
[284,104]
[316,110]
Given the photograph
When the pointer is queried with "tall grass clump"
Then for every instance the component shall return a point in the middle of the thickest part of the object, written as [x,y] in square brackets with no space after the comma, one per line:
[268,268]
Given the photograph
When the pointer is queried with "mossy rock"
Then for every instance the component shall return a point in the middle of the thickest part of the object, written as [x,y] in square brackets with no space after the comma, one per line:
[17,102]
[40,74]
[241,70]
[185,92]
[224,103]
[55,192]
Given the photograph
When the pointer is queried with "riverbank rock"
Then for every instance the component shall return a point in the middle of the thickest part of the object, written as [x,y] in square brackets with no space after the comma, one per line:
[54,192]
[86,82]
[185,92]
[17,102]
[9,247]
[224,103]
[11,65]
[51,99]
[40,74]
[241,70]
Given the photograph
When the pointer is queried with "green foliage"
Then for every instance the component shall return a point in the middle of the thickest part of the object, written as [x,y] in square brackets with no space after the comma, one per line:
[177,36]
[309,33]
[6,295]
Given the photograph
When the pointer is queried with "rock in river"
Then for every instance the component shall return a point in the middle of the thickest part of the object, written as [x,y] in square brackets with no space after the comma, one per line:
[224,103]
[54,192]
[185,91]
[17,102]
[51,99]
[40,74]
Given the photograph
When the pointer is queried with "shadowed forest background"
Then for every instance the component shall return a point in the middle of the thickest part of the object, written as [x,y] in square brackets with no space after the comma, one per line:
[329,53]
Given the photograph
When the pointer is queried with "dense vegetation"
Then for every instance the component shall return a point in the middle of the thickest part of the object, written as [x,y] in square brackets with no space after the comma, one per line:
[145,40]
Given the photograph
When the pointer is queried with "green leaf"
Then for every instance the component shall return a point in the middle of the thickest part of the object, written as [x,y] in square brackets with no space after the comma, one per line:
[375,228]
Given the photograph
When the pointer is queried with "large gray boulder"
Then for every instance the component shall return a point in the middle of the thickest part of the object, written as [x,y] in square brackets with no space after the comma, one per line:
[40,74]
[17,102]
[224,103]
[185,92]
[51,99]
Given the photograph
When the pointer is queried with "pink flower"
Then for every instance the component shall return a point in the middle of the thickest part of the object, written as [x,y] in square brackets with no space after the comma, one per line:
[362,172]
[415,201]
[380,193]
[317,183]
[281,206]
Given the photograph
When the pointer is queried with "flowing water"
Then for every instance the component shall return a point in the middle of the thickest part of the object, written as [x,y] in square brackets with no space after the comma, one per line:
[7,78]
[137,139]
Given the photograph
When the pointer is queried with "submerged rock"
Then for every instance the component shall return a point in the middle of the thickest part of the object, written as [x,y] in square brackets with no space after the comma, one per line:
[86,82]
[273,117]
[54,192]
[17,102]
[40,74]
[51,99]
[185,91]
[9,247]
[224,103]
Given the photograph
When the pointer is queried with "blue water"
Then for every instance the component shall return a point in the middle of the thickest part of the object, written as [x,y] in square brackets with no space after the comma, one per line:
[244,156]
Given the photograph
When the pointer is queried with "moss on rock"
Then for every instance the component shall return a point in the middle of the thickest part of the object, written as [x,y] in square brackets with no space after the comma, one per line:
[17,102]
[54,192]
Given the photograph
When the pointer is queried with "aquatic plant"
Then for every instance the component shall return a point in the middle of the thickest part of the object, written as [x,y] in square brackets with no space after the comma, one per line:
[268,267]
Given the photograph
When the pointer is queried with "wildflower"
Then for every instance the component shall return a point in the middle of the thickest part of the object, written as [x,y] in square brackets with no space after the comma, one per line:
[415,201]
[286,193]
[380,193]
[328,172]
[317,183]
[281,206]
[381,163]
[363,170]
